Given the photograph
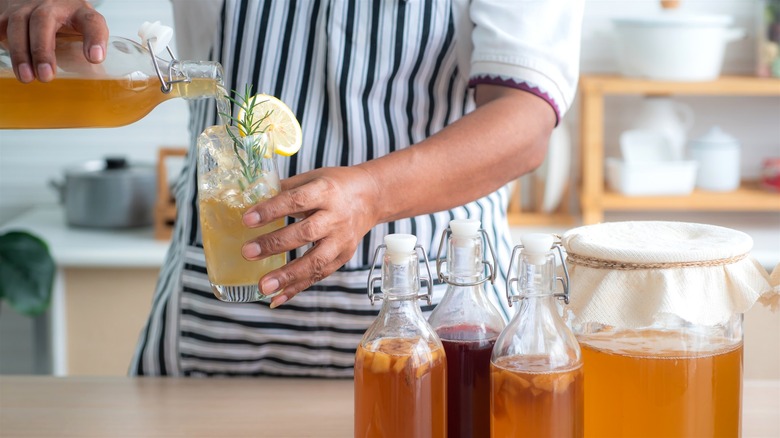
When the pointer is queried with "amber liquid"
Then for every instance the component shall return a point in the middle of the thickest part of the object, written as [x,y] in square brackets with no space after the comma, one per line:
[87,103]
[640,384]
[400,390]
[527,403]
[224,234]
[468,353]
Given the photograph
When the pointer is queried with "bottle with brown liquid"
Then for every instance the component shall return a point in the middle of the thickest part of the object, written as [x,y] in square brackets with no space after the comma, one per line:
[468,325]
[536,366]
[125,87]
[400,369]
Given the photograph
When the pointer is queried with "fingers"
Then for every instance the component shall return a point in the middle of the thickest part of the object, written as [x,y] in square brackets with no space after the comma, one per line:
[16,29]
[93,26]
[320,261]
[30,28]
[295,202]
[285,239]
[42,32]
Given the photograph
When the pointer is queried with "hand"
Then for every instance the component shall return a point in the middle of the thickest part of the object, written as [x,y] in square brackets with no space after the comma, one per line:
[336,208]
[29,26]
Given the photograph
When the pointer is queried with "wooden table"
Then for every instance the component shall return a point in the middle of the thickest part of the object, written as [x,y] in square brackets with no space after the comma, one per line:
[107,407]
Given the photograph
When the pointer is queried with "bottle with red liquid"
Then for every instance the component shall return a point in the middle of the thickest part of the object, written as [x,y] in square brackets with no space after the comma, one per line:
[400,369]
[468,325]
[536,381]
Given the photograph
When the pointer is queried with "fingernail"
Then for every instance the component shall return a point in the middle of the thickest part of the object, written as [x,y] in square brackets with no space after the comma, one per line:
[270,286]
[96,53]
[278,301]
[251,218]
[45,73]
[250,250]
[26,73]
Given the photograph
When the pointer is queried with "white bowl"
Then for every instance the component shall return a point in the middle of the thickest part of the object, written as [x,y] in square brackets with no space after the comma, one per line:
[651,179]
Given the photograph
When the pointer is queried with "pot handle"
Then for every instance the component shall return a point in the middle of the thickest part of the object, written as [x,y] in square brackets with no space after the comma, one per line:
[734,34]
[59,187]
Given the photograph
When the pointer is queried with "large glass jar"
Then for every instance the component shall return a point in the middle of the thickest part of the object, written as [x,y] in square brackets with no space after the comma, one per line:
[657,310]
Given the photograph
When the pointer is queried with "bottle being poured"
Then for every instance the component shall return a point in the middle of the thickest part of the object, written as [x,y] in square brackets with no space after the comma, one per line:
[400,370]
[536,367]
[131,81]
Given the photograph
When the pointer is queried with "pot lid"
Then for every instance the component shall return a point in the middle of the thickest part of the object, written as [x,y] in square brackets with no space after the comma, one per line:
[675,18]
[110,166]
[715,137]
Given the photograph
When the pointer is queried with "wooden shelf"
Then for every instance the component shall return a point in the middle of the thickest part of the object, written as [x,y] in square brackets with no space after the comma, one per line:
[749,197]
[724,86]
[533,219]
[594,199]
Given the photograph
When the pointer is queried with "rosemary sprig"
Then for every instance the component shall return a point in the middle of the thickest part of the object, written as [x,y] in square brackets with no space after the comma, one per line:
[249,150]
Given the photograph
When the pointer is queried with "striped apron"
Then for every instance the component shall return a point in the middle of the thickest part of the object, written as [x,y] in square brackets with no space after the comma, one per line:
[365,78]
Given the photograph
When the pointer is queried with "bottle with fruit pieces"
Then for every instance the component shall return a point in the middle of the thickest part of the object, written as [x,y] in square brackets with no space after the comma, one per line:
[400,370]
[468,325]
[536,367]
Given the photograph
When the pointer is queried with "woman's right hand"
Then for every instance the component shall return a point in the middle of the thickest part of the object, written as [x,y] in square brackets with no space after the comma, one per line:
[29,27]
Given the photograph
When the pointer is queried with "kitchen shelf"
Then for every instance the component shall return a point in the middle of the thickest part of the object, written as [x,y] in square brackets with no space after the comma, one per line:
[595,199]
[749,197]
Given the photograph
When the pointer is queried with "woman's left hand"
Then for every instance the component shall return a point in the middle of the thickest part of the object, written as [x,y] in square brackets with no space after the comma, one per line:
[335,207]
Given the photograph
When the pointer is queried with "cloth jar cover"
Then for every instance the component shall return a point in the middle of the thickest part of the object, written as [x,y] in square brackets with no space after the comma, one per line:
[639,273]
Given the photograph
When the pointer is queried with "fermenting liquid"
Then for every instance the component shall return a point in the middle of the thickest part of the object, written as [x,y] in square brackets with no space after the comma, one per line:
[401,385]
[224,234]
[531,403]
[468,353]
[656,383]
[88,103]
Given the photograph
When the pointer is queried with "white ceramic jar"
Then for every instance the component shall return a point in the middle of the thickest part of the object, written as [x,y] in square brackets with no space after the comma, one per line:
[718,155]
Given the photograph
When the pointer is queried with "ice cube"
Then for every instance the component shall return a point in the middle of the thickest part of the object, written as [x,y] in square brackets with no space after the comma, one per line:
[258,191]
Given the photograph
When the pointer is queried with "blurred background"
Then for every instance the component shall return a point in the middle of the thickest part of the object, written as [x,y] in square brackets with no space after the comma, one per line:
[105,280]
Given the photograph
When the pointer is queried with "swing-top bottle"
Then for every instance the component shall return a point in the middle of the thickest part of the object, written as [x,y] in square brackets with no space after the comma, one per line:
[400,369]
[126,86]
[536,367]
[468,325]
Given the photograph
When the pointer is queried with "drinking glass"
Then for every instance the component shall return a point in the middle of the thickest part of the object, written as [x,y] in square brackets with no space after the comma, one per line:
[235,173]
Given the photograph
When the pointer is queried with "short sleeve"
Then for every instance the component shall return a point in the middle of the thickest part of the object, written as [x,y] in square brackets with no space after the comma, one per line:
[533,45]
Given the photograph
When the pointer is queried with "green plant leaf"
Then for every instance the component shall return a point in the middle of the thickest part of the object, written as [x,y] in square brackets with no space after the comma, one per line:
[26,272]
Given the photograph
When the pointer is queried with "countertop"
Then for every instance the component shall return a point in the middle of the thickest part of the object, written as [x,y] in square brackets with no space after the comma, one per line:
[90,247]
[82,247]
[240,407]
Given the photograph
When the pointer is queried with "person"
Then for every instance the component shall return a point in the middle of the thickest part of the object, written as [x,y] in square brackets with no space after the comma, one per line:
[413,113]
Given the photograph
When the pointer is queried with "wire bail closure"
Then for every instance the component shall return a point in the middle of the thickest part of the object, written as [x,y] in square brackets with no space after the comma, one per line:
[557,245]
[165,86]
[381,296]
[441,261]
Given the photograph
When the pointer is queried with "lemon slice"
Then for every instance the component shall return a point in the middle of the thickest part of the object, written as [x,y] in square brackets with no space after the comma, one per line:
[280,126]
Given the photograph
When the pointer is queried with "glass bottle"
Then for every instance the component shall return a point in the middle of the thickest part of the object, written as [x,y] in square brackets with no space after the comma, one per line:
[468,325]
[400,369]
[536,367]
[125,87]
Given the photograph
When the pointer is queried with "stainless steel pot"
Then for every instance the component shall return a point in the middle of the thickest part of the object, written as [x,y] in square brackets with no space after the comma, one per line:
[109,193]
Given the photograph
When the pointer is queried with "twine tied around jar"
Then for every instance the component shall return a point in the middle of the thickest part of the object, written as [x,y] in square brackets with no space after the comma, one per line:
[597,263]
